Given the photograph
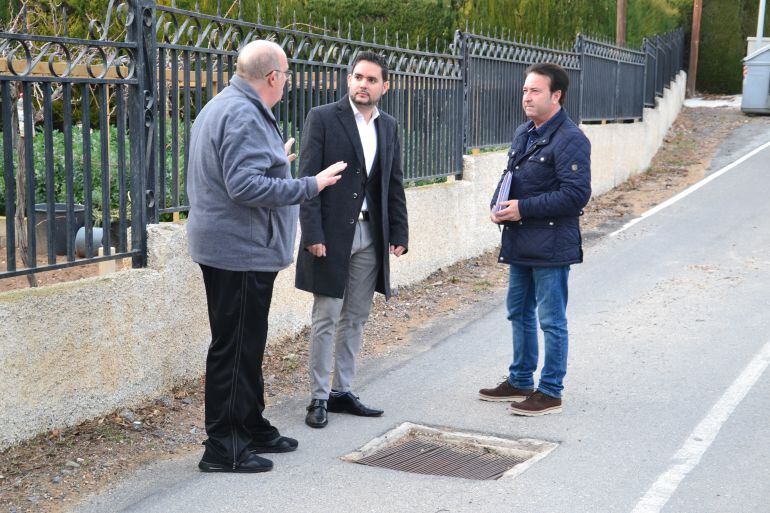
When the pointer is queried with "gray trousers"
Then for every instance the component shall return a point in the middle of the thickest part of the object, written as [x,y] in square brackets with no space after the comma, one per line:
[338,324]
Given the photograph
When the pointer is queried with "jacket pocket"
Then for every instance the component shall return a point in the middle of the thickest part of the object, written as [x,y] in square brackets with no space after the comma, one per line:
[261,226]
[271,231]
[536,240]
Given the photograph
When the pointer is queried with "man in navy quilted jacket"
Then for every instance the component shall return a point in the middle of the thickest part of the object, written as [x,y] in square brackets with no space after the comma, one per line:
[538,203]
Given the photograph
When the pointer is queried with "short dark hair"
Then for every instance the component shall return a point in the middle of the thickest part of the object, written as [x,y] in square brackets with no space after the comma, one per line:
[368,56]
[557,75]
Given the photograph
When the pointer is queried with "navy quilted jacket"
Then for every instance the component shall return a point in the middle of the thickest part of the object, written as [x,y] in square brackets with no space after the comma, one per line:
[552,181]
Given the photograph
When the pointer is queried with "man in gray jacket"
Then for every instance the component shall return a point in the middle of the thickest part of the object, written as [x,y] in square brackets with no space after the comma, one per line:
[241,230]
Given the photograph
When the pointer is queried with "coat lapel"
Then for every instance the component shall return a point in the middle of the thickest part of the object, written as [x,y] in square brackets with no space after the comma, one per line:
[348,122]
[382,145]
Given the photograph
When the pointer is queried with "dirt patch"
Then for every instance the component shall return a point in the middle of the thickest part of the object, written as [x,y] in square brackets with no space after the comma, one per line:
[53,471]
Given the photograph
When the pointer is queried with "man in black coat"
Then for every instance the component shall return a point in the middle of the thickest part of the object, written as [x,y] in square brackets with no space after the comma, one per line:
[538,203]
[349,233]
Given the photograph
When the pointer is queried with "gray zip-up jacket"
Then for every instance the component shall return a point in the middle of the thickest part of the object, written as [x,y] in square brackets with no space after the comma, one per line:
[243,200]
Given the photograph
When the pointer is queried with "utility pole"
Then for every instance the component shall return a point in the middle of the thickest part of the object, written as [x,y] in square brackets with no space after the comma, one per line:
[620,25]
[697,7]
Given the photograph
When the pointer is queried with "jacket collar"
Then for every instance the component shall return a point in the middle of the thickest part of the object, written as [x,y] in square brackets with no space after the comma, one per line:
[246,90]
[547,129]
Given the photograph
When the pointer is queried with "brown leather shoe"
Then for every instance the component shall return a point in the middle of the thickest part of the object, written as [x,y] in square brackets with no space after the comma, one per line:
[537,404]
[504,392]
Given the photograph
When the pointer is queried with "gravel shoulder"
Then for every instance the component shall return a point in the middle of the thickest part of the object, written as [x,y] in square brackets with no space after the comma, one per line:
[55,470]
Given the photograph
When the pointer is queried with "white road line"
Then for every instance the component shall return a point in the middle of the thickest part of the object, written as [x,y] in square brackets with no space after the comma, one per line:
[688,456]
[690,189]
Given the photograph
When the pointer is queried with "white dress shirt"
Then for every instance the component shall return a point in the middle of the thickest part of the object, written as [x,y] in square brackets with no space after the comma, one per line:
[368,134]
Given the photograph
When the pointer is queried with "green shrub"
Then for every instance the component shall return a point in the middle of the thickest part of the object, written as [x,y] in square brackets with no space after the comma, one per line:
[78,178]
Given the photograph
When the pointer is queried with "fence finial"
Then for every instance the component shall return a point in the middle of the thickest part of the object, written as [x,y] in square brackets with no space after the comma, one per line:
[277,16]
[294,19]
[219,8]
[240,9]
[339,28]
[407,39]
[397,40]
[350,31]
[259,13]
[374,34]
[466,24]
[64,18]
[362,32]
[386,38]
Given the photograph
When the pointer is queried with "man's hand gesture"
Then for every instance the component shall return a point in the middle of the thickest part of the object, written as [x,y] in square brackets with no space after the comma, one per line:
[330,175]
[287,148]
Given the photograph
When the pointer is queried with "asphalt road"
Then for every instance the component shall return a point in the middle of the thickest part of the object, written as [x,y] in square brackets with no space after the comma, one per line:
[666,398]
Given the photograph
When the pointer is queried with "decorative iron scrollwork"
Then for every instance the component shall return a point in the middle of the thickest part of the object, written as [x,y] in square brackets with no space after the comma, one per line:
[92,58]
[609,51]
[183,30]
[516,51]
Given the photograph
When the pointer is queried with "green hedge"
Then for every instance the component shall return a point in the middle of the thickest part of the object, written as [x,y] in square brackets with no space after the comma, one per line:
[59,190]
[557,20]
[726,25]
[561,19]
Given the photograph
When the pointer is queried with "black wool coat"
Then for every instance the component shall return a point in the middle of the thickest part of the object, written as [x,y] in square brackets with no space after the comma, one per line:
[330,135]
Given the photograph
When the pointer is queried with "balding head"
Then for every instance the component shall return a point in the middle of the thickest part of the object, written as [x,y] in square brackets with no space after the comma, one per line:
[258,58]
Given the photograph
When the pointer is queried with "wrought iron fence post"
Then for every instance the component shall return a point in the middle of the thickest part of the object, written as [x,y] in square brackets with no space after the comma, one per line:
[141,102]
[580,50]
[462,39]
[151,111]
[618,113]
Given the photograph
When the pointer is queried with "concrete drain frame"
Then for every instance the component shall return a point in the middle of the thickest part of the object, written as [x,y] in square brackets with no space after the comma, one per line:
[436,451]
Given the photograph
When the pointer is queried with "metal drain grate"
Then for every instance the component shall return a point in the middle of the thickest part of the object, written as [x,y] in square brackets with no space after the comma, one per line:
[425,450]
[428,457]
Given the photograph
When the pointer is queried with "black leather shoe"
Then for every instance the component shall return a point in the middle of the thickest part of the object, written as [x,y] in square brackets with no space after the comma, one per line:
[316,414]
[349,403]
[277,444]
[249,465]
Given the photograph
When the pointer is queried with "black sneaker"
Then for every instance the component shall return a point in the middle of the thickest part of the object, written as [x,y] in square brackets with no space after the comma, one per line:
[277,444]
[504,392]
[250,464]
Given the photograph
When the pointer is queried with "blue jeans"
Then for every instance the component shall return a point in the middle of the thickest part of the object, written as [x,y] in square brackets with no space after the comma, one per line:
[541,290]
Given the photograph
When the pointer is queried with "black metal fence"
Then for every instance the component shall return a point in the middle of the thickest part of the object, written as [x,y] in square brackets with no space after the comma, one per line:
[106,120]
[494,80]
[70,155]
[194,56]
